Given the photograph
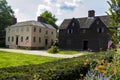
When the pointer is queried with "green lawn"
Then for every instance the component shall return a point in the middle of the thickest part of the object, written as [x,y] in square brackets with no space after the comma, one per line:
[8,59]
[73,52]
[68,52]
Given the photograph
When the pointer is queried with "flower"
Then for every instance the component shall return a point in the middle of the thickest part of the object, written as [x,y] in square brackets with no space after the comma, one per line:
[115,70]
[85,62]
[96,69]
[109,64]
[101,67]
[100,61]
[104,71]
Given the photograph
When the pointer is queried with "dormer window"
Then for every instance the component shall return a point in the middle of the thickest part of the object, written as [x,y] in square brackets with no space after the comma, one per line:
[70,31]
[100,30]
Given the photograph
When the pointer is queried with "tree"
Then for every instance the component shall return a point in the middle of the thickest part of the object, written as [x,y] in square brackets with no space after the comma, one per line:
[114,13]
[49,18]
[6,19]
[6,15]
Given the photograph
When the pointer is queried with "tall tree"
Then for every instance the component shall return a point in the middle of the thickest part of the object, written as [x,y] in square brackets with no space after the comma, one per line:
[49,18]
[6,14]
[6,19]
[114,13]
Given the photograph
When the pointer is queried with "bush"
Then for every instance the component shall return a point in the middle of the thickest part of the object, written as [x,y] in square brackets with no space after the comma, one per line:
[66,69]
[53,49]
[105,69]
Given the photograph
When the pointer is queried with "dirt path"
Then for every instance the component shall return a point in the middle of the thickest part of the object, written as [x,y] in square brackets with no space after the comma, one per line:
[41,53]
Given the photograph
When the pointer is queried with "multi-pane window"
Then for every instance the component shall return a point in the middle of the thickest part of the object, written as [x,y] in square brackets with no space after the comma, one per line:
[12,30]
[34,29]
[46,31]
[52,32]
[17,29]
[8,39]
[22,39]
[27,38]
[12,38]
[27,29]
[100,30]
[9,30]
[70,31]
[39,39]
[34,39]
[40,30]
[22,29]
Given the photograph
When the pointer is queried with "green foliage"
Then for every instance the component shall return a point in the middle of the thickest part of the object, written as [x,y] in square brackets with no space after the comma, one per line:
[66,69]
[105,69]
[49,18]
[6,19]
[8,59]
[114,13]
[6,15]
[53,49]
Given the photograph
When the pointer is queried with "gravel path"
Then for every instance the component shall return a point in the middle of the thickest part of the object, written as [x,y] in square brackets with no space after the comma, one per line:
[41,53]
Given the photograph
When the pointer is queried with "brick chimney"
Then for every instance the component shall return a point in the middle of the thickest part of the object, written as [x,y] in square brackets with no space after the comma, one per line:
[91,13]
[14,20]
[40,19]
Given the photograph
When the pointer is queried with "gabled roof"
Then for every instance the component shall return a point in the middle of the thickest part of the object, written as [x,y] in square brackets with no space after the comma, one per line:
[106,20]
[33,23]
[65,23]
[87,21]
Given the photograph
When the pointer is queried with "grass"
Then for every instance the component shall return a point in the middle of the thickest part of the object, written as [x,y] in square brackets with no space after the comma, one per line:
[8,59]
[73,52]
[68,52]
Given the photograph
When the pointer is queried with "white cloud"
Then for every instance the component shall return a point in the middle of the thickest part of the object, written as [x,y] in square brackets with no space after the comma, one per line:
[20,16]
[42,8]
[58,8]
[62,9]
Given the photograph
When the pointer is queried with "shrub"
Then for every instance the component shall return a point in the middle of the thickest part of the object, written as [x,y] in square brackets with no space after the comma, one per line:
[105,69]
[66,69]
[53,49]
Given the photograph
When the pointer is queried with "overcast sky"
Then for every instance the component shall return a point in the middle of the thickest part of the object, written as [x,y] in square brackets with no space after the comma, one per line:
[62,9]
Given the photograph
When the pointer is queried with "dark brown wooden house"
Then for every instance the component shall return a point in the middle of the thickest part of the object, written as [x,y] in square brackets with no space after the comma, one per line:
[88,33]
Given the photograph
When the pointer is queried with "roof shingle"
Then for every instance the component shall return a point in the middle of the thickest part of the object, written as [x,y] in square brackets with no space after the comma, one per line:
[34,23]
[87,21]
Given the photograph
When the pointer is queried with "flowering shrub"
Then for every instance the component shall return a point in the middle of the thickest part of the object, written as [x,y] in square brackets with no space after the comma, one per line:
[106,69]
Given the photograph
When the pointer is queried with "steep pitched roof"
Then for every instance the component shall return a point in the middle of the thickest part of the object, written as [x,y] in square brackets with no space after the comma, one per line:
[106,20]
[65,24]
[34,23]
[87,21]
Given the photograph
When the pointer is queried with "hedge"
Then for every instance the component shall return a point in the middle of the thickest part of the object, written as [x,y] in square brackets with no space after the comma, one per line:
[66,69]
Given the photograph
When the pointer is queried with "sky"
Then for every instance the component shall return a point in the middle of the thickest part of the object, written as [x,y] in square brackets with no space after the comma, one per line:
[63,9]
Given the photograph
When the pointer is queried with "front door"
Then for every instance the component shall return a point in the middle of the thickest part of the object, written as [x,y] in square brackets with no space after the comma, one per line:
[16,40]
[85,45]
